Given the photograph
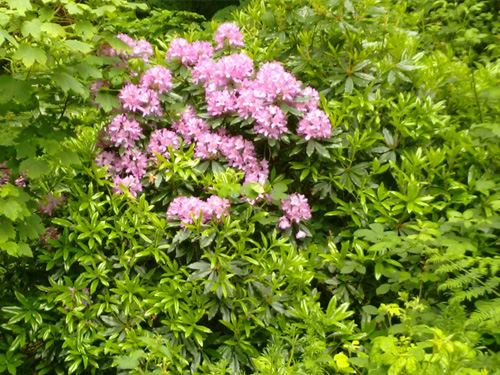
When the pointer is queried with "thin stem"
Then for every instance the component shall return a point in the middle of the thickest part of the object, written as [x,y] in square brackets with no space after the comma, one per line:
[63,111]
[475,95]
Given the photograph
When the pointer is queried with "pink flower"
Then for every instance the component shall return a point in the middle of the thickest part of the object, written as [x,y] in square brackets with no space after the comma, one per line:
[124,131]
[315,125]
[161,139]
[300,235]
[131,182]
[203,70]
[220,101]
[309,105]
[190,127]
[296,208]
[157,78]
[284,223]
[189,53]
[271,121]
[50,204]
[228,32]
[140,99]
[207,146]
[133,163]
[106,158]
[188,209]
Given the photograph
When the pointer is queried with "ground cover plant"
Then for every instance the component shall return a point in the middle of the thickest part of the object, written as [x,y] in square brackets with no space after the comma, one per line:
[294,187]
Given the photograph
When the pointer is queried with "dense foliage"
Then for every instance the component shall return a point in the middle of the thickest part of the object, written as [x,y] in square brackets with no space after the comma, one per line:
[310,188]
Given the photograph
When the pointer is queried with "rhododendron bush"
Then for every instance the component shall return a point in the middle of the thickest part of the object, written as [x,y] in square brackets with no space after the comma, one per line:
[233,114]
[295,187]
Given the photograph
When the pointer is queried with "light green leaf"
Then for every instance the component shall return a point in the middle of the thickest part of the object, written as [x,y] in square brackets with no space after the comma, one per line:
[24,250]
[29,55]
[10,247]
[107,100]
[5,35]
[32,28]
[20,5]
[53,29]
[11,88]
[66,82]
[349,85]
[85,29]
[35,168]
[7,231]
[77,46]
[10,208]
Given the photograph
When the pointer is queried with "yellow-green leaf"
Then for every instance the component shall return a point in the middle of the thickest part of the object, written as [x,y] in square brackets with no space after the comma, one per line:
[53,29]
[29,55]
[32,28]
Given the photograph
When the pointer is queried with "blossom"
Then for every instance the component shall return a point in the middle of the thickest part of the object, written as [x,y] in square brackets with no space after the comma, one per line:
[220,101]
[300,235]
[276,82]
[133,163]
[161,139]
[189,209]
[49,205]
[296,208]
[157,78]
[131,182]
[108,158]
[190,127]
[189,53]
[228,32]
[309,105]
[314,125]
[207,145]
[271,121]
[124,131]
[140,99]
[203,70]
[51,233]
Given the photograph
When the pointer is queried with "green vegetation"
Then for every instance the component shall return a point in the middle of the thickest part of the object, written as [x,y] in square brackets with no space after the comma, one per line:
[397,271]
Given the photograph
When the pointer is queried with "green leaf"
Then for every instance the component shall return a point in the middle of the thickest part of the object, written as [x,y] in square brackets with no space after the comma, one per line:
[253,189]
[66,82]
[32,28]
[34,167]
[383,289]
[11,88]
[31,228]
[10,247]
[107,100]
[7,231]
[322,150]
[29,55]
[85,29]
[53,29]
[349,85]
[24,250]
[5,35]
[10,208]
[77,46]
[20,5]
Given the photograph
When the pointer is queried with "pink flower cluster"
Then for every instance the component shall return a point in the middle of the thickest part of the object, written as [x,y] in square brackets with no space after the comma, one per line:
[229,88]
[296,208]
[140,49]
[189,53]
[124,131]
[49,204]
[5,174]
[230,33]
[189,209]
[158,79]
[141,99]
[238,152]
